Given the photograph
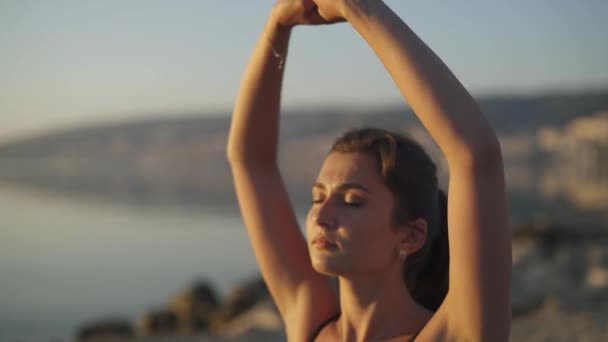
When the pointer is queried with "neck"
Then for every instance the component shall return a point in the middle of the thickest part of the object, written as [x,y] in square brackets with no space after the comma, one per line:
[378,307]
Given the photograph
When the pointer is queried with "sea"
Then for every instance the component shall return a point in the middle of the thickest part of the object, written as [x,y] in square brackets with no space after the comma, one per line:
[66,260]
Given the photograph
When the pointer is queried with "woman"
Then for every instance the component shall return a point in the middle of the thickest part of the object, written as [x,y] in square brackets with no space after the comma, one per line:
[375,221]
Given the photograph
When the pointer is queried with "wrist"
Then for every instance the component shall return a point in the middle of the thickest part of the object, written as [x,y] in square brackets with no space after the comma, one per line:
[274,27]
[276,32]
[277,37]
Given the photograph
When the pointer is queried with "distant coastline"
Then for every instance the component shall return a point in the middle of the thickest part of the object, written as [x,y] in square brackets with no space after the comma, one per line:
[181,160]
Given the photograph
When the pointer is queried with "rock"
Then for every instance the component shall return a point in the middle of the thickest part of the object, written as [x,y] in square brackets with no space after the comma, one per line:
[195,307]
[551,323]
[597,277]
[566,264]
[242,298]
[260,335]
[522,248]
[557,268]
[104,330]
[548,231]
[158,322]
[263,316]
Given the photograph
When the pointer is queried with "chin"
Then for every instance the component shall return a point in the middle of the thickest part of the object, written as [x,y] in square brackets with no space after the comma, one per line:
[327,264]
[326,271]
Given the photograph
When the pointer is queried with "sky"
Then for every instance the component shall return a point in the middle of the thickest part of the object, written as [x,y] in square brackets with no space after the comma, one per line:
[66,63]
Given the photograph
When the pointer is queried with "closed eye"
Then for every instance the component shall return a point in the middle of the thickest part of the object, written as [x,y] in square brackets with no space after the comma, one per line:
[317,198]
[353,204]
[352,199]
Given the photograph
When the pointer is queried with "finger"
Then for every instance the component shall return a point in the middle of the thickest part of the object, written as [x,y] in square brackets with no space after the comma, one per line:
[308,4]
[315,19]
[337,20]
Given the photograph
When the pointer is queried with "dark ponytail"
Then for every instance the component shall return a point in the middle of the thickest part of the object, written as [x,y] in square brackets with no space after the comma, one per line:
[411,176]
[430,283]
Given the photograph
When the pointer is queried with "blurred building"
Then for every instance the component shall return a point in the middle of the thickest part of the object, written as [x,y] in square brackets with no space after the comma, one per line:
[579,153]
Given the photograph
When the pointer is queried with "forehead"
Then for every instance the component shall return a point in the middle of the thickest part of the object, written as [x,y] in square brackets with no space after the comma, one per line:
[339,168]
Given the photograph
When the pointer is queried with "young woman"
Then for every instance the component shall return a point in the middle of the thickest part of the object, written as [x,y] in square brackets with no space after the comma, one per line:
[377,221]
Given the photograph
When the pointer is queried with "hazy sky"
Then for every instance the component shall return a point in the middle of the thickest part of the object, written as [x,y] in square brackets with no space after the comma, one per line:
[64,63]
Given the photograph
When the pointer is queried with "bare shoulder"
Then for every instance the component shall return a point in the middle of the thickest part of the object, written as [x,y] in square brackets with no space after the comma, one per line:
[437,328]
[303,296]
[312,312]
[329,333]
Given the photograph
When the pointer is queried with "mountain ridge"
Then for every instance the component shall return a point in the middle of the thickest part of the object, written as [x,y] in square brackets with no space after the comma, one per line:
[183,161]
[506,114]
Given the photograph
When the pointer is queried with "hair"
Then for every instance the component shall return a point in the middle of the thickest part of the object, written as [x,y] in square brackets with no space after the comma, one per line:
[411,176]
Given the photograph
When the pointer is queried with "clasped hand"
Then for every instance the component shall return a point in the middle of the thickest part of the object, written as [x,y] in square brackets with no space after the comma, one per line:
[289,13]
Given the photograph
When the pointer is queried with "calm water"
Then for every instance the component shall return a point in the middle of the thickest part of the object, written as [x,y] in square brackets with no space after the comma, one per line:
[64,261]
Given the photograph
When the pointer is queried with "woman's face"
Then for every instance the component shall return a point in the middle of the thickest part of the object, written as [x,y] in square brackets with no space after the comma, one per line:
[349,227]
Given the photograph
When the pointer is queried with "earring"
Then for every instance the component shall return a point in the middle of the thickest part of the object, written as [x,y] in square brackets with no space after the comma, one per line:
[402,255]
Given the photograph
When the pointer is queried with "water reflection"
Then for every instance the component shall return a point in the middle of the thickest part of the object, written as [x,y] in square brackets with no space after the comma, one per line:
[64,260]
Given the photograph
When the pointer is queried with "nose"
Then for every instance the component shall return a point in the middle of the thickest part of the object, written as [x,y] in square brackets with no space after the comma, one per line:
[325,215]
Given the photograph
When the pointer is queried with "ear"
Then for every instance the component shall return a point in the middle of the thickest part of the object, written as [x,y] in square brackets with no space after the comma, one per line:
[414,235]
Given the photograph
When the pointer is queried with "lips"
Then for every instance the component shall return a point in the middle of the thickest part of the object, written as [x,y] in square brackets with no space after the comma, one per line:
[322,242]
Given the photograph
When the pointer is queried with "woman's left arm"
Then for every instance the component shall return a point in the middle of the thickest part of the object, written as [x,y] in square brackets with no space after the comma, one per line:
[478,301]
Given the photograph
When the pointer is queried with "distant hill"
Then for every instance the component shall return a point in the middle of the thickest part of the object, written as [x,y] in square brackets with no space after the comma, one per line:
[183,159]
[512,114]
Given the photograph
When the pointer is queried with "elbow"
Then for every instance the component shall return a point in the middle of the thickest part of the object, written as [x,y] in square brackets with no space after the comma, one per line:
[235,154]
[481,155]
[488,153]
[235,157]
[243,156]
[232,154]
[236,147]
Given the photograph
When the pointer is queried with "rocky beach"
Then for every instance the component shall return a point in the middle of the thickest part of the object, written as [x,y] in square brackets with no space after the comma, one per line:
[559,293]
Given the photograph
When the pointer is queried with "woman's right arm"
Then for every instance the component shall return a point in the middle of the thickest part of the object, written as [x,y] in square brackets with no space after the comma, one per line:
[277,242]
[478,304]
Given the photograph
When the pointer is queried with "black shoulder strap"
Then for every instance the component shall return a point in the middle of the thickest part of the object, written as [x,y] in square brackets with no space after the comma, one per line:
[318,330]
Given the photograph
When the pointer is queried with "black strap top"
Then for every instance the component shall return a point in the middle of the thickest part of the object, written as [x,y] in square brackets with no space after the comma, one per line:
[315,334]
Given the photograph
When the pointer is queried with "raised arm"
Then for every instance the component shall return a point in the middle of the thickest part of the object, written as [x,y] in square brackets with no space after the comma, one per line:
[478,302]
[277,242]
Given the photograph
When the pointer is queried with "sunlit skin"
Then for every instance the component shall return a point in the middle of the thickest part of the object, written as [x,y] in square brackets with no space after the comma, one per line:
[353,207]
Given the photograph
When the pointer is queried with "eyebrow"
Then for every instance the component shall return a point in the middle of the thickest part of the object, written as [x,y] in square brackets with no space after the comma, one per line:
[342,187]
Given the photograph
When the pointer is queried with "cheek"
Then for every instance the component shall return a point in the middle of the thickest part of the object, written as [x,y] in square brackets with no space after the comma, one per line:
[309,223]
[369,215]
[367,225]
[357,226]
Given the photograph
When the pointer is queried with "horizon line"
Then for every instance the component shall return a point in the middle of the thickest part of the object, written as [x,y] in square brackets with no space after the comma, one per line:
[139,116]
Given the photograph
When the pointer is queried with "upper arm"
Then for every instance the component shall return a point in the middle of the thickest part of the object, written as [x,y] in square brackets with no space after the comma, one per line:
[280,249]
[478,299]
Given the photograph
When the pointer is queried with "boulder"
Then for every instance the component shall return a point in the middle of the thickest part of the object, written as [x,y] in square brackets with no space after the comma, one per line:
[195,307]
[261,317]
[242,298]
[161,321]
[105,330]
